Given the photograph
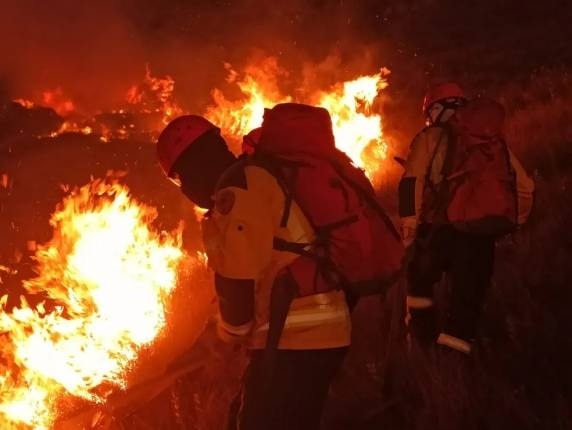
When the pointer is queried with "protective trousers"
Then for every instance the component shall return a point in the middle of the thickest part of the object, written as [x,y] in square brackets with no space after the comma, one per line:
[468,261]
[286,390]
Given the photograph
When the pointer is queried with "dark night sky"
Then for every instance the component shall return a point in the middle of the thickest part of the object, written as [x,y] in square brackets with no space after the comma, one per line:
[95,50]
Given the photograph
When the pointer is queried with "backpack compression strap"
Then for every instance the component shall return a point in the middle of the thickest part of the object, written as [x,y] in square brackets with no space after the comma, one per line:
[367,196]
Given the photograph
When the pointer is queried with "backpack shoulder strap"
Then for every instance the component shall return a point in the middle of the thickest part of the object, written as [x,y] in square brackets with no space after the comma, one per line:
[445,138]
[441,192]
[367,194]
[233,176]
[278,168]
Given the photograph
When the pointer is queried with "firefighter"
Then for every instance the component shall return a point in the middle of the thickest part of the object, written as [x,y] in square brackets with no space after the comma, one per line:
[436,247]
[291,367]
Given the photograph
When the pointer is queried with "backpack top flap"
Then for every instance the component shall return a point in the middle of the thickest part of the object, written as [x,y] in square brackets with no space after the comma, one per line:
[292,128]
[481,117]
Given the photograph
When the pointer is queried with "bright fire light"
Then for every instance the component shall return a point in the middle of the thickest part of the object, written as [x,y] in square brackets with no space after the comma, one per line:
[58,101]
[154,95]
[107,276]
[357,126]
[259,88]
[352,105]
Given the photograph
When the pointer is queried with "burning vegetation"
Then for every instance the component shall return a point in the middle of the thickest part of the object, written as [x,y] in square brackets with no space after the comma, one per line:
[107,275]
[356,121]
[151,104]
[520,376]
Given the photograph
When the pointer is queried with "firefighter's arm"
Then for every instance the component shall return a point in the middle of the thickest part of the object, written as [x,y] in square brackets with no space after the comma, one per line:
[524,188]
[239,253]
[236,308]
[413,181]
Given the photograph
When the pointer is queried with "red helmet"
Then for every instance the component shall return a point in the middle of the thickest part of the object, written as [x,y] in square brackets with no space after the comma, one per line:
[250,140]
[177,136]
[442,92]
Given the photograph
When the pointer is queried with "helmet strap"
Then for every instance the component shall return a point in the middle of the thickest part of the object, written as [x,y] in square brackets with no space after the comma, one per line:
[448,108]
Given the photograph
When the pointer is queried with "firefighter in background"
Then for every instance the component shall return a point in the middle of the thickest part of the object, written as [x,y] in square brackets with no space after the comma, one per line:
[284,387]
[460,182]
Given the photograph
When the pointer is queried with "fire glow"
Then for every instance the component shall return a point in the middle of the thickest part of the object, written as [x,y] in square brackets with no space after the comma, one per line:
[107,276]
[155,95]
[260,89]
[352,105]
[357,126]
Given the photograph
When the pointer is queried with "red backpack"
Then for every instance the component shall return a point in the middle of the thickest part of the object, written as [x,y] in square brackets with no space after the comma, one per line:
[481,183]
[356,243]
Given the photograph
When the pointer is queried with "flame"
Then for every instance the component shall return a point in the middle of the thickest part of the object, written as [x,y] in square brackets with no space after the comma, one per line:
[107,276]
[352,104]
[155,95]
[58,101]
[357,125]
[28,104]
[199,213]
[72,127]
[259,88]
[146,108]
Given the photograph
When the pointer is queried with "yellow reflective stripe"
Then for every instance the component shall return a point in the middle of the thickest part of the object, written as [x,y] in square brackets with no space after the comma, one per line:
[414,302]
[454,343]
[240,330]
[301,318]
[321,301]
[524,188]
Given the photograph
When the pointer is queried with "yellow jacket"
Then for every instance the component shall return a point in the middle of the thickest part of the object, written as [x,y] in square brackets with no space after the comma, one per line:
[239,235]
[425,164]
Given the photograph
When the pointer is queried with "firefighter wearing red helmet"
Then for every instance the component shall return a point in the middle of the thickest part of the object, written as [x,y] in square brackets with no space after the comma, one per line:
[285,387]
[193,155]
[441,101]
[458,167]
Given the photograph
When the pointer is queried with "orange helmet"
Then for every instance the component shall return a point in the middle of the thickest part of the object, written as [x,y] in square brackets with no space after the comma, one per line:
[449,90]
[178,136]
[250,140]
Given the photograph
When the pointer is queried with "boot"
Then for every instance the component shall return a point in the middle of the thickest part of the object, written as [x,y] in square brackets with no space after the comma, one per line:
[423,327]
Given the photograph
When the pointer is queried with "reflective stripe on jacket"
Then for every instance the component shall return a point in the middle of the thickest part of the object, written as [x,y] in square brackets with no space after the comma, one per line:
[239,236]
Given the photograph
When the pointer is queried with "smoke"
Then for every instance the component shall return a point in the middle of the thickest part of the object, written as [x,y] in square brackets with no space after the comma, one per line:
[88,49]
[95,50]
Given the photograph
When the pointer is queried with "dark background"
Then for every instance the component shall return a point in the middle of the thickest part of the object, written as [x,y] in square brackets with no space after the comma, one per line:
[96,50]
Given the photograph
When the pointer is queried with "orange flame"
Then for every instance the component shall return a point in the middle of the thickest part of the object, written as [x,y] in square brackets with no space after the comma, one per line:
[28,104]
[58,101]
[72,127]
[108,276]
[352,106]
[150,106]
[259,86]
[155,95]
[357,125]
